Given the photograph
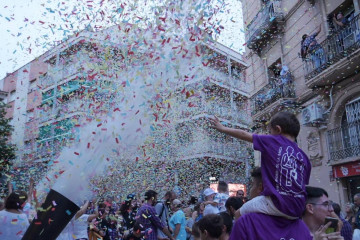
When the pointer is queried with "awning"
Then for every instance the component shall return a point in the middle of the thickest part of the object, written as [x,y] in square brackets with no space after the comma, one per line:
[347,169]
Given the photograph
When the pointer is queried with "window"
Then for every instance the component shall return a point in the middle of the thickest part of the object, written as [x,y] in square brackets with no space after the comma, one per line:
[12,95]
[32,85]
[351,119]
[30,115]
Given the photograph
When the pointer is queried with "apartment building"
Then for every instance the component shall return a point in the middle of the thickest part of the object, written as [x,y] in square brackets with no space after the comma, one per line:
[218,88]
[71,85]
[322,88]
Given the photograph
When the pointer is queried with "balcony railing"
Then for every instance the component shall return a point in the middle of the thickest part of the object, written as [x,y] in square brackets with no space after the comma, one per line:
[344,142]
[270,93]
[226,80]
[57,74]
[270,14]
[230,150]
[336,47]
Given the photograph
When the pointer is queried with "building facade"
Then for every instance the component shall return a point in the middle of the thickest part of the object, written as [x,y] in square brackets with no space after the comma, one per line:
[321,86]
[82,79]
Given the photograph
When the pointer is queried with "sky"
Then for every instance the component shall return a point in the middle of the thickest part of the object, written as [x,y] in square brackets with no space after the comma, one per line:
[28,28]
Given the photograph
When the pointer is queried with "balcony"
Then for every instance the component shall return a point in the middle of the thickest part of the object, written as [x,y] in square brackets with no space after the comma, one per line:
[267,22]
[274,95]
[211,148]
[55,75]
[225,80]
[3,95]
[337,53]
[344,142]
[210,104]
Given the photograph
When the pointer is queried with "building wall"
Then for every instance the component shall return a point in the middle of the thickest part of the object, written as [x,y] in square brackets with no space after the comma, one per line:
[303,18]
[23,99]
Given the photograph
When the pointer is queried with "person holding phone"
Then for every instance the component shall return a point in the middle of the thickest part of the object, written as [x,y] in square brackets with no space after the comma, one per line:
[318,207]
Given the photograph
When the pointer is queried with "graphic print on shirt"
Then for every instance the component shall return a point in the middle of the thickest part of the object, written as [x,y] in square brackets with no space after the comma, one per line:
[291,171]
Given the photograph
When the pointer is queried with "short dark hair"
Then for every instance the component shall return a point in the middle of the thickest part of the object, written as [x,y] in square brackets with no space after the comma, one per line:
[169,193]
[234,202]
[195,231]
[222,186]
[138,227]
[213,224]
[13,201]
[288,122]
[228,221]
[336,208]
[150,194]
[314,193]
[256,173]
[304,36]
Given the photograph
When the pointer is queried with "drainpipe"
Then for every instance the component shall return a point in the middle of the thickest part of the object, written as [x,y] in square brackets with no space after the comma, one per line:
[356,6]
[323,15]
[331,100]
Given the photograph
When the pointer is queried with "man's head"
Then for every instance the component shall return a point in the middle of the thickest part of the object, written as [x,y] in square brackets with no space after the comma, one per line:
[339,16]
[284,123]
[232,204]
[175,205]
[228,223]
[256,184]
[240,193]
[222,187]
[169,197]
[357,199]
[151,197]
[209,194]
[138,229]
[318,206]
[304,37]
[195,231]
[211,227]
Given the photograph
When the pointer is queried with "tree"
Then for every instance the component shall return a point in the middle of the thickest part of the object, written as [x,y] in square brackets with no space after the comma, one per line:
[7,150]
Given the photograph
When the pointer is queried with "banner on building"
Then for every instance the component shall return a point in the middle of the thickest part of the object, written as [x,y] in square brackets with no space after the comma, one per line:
[347,170]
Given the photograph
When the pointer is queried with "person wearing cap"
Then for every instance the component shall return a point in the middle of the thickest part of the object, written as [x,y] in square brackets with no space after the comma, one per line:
[148,218]
[211,206]
[178,221]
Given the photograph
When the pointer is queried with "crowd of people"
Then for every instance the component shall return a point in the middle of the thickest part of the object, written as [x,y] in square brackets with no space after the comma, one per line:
[280,205]
[212,215]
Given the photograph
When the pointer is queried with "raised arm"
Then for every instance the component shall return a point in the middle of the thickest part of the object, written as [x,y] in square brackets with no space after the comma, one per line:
[237,133]
[82,210]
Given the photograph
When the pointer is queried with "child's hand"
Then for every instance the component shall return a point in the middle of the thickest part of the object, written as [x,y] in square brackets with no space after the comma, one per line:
[215,123]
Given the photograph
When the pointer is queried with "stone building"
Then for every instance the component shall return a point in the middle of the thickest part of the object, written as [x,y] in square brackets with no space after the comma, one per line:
[322,88]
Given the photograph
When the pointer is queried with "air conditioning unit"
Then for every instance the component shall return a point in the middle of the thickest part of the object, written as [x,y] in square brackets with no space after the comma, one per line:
[312,114]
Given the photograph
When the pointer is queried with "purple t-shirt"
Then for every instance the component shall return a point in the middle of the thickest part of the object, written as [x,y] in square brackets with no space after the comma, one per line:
[258,226]
[285,170]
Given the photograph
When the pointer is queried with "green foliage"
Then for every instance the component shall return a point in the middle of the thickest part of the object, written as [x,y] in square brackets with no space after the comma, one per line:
[7,150]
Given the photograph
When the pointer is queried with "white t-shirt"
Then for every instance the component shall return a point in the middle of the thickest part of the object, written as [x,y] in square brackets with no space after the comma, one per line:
[13,225]
[221,198]
[80,226]
[210,209]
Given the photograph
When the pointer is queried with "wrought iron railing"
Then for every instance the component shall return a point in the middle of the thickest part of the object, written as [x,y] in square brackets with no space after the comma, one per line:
[216,148]
[336,47]
[344,142]
[224,79]
[270,93]
[57,74]
[267,14]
